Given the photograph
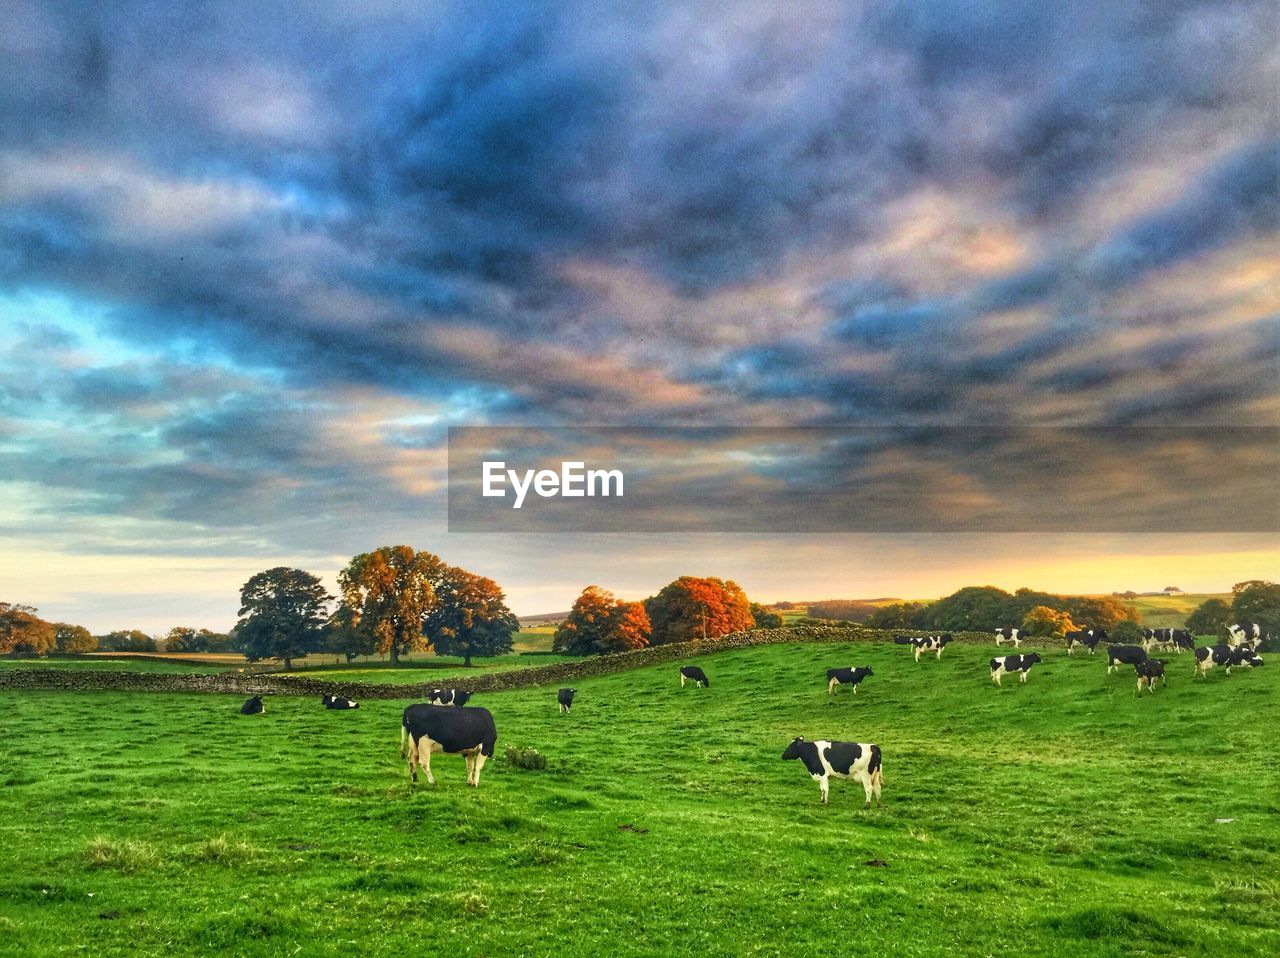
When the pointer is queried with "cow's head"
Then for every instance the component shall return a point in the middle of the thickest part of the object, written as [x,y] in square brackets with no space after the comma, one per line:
[1032,659]
[864,669]
[793,750]
[460,697]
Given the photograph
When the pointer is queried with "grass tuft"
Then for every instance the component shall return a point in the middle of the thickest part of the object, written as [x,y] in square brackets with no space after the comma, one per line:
[124,855]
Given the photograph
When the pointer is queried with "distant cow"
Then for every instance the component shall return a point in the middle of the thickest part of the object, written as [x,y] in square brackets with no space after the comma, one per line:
[1183,640]
[448,697]
[1118,655]
[1175,640]
[333,702]
[253,707]
[859,760]
[838,677]
[1224,655]
[1149,672]
[930,643]
[453,731]
[1013,663]
[1244,632]
[565,698]
[694,674]
[1089,638]
[1010,635]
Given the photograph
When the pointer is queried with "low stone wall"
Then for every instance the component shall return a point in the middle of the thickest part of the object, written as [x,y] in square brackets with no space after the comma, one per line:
[558,673]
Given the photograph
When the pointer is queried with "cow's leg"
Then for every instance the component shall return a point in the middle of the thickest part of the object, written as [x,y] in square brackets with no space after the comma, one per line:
[865,779]
[939,652]
[855,689]
[831,686]
[877,781]
[477,764]
[1023,676]
[424,759]
[917,653]
[413,760]
[469,759]
[822,787]
[681,680]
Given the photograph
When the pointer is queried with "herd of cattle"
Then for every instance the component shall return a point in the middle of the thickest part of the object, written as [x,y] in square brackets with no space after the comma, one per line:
[443,724]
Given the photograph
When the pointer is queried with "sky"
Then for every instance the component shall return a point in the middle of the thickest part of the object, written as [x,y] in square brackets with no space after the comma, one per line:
[257,258]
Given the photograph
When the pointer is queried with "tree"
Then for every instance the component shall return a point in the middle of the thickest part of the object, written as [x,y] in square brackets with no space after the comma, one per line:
[1099,612]
[600,623]
[73,639]
[390,592]
[971,609]
[899,615]
[845,610]
[282,612]
[183,638]
[764,618]
[471,617]
[22,632]
[128,640]
[692,607]
[1043,620]
[1209,617]
[1126,633]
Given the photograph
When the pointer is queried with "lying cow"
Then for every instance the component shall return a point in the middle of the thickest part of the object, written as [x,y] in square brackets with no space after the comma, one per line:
[448,697]
[824,759]
[1149,672]
[253,707]
[1208,656]
[1089,638]
[1013,663]
[1118,655]
[1011,635]
[694,674]
[838,677]
[453,731]
[565,698]
[333,702]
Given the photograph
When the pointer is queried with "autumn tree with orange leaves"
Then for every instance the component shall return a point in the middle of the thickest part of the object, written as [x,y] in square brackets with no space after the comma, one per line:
[600,622]
[695,608]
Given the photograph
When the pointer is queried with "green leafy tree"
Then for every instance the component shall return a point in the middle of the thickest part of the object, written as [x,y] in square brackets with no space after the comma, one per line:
[971,609]
[389,593]
[1127,632]
[765,618]
[184,638]
[73,639]
[899,615]
[22,632]
[282,612]
[1209,618]
[128,640]
[601,623]
[693,607]
[470,617]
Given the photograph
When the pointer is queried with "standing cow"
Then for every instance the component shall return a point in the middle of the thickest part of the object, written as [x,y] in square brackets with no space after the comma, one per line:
[692,673]
[1118,655]
[565,698]
[823,759]
[1011,635]
[852,676]
[453,731]
[1013,663]
[1149,672]
[1089,638]
[1242,632]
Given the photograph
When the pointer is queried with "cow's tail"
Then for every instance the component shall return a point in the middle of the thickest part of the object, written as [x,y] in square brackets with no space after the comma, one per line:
[876,766]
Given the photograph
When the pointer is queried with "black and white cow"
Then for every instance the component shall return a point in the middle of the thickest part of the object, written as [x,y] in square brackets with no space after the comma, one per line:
[1242,632]
[253,707]
[453,731]
[928,643]
[1011,635]
[1089,638]
[1013,663]
[1173,640]
[694,674]
[823,759]
[334,702]
[1224,655]
[1118,655]
[1183,640]
[852,676]
[456,697]
[1149,672]
[565,698]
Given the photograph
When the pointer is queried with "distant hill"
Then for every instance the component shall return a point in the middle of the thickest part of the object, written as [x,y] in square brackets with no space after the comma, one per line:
[546,618]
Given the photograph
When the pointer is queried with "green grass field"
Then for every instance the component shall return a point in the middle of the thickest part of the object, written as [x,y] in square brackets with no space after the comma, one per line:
[1064,817]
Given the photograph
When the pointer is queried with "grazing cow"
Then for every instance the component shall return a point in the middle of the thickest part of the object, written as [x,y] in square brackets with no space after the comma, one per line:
[1183,640]
[1207,656]
[253,707]
[333,702]
[694,674]
[1149,672]
[1243,632]
[1089,638]
[838,677]
[1118,655]
[565,698]
[448,697]
[930,643]
[453,731]
[1010,635]
[1013,663]
[824,759]
[1173,640]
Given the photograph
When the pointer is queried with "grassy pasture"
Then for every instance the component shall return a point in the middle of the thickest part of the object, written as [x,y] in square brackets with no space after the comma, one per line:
[1064,817]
